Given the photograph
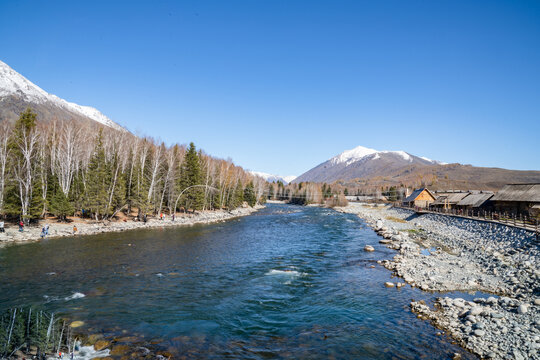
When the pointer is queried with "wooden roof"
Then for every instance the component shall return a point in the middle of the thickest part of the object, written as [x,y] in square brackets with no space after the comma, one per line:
[417,193]
[519,192]
[475,200]
[452,199]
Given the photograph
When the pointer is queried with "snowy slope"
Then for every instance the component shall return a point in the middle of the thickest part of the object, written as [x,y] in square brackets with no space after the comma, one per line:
[14,84]
[274,178]
[362,162]
[360,152]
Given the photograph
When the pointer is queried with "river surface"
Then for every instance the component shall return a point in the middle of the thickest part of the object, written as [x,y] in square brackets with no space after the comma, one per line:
[286,282]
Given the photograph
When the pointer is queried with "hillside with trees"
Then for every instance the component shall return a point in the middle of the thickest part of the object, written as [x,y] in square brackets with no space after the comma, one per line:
[67,168]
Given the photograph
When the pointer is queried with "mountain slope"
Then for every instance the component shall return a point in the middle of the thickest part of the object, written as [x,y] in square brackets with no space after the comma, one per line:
[17,93]
[374,168]
[361,162]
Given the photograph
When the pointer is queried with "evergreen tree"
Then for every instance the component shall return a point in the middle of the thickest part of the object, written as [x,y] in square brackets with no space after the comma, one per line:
[191,175]
[96,183]
[249,194]
[238,196]
[59,204]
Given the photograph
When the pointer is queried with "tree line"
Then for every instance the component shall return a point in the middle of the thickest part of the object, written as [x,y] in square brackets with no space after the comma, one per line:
[70,168]
[27,328]
[306,193]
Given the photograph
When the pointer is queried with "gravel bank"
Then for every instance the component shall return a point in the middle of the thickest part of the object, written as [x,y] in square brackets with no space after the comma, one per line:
[443,253]
[32,233]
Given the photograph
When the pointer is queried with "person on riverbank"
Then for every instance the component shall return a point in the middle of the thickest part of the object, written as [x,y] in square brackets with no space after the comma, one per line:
[43,232]
[173,216]
[2,227]
[75,229]
[47,229]
[161,216]
[21,226]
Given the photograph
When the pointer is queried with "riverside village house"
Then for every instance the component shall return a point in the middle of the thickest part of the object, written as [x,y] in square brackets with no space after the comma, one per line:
[420,197]
[518,199]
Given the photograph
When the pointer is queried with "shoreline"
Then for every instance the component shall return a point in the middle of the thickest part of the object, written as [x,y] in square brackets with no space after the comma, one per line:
[30,234]
[439,254]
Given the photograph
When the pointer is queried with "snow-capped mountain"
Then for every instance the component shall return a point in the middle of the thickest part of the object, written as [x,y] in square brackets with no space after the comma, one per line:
[274,178]
[362,162]
[17,93]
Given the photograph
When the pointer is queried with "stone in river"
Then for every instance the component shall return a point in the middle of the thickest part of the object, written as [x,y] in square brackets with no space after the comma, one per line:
[101,344]
[479,332]
[76,324]
[389,284]
[120,350]
[369,248]
[537,302]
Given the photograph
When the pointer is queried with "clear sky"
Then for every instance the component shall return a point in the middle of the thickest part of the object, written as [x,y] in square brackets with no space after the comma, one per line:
[281,86]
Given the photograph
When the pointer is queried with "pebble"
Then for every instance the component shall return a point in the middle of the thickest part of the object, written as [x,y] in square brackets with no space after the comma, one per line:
[479,333]
[389,284]
[369,248]
[477,310]
[522,309]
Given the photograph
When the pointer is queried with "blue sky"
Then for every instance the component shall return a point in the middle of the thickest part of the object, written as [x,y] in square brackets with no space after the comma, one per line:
[281,86]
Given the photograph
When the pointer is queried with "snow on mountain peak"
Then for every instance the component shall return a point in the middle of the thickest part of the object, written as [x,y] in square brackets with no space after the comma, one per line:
[360,152]
[355,154]
[13,83]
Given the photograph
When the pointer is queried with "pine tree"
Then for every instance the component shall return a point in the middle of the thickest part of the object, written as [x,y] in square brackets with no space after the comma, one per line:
[96,183]
[59,204]
[238,196]
[191,175]
[249,194]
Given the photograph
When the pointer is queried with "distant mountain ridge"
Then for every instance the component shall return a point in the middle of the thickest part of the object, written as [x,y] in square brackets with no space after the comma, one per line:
[361,162]
[385,168]
[17,93]
[274,178]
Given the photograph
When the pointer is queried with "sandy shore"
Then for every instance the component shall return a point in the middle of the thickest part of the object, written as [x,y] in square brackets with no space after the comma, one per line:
[445,254]
[56,229]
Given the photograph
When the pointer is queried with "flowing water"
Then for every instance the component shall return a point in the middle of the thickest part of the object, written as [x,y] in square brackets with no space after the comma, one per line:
[286,282]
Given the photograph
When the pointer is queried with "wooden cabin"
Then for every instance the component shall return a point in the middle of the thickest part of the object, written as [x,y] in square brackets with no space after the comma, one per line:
[518,199]
[420,198]
[476,200]
[449,200]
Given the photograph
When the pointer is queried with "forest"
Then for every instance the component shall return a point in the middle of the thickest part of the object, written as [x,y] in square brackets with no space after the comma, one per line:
[63,169]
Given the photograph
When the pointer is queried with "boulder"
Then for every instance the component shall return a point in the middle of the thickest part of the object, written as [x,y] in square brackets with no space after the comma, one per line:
[369,248]
[101,344]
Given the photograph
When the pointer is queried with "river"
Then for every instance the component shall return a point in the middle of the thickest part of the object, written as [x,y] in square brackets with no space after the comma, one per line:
[285,282]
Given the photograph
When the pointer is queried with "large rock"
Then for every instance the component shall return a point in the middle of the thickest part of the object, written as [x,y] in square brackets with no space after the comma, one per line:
[369,248]
[101,344]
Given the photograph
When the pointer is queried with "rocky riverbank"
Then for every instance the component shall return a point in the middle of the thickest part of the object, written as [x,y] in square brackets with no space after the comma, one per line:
[446,254]
[56,229]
